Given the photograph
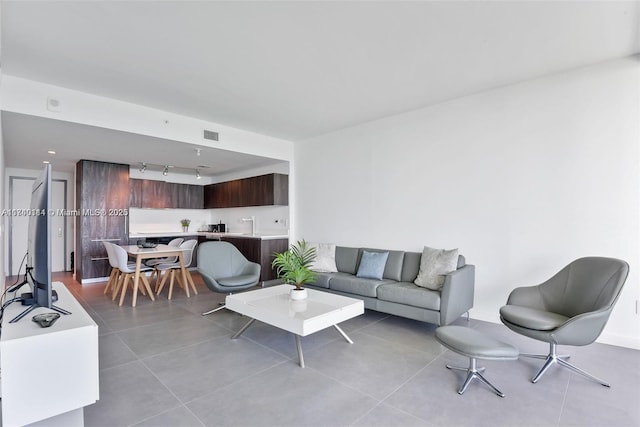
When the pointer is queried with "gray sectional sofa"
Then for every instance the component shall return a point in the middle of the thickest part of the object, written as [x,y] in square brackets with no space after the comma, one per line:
[396,293]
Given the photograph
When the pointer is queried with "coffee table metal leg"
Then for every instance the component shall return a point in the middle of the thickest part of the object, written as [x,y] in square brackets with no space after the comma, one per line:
[299,347]
[244,328]
[343,334]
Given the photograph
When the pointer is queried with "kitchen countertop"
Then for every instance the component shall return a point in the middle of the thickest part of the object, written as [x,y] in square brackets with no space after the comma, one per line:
[212,236]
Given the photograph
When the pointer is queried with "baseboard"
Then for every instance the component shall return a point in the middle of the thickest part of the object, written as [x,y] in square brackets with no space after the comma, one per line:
[94,280]
[619,341]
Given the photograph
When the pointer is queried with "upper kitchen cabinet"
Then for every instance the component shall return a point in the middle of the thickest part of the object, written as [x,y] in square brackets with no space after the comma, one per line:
[102,198]
[146,193]
[135,193]
[190,196]
[264,190]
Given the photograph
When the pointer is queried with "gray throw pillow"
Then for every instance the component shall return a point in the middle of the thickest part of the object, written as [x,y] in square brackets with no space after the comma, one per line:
[434,264]
[372,265]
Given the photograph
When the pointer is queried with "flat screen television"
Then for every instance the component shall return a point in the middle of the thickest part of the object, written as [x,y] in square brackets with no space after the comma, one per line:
[39,248]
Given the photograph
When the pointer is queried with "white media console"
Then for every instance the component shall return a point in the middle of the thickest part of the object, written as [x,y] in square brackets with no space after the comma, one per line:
[48,374]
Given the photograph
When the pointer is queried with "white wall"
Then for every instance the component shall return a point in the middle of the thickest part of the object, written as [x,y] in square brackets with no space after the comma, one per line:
[522,180]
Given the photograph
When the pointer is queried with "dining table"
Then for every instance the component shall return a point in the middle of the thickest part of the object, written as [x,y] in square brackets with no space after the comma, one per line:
[159,251]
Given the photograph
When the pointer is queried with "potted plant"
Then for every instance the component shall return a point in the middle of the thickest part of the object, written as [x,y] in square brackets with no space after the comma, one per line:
[185,224]
[292,266]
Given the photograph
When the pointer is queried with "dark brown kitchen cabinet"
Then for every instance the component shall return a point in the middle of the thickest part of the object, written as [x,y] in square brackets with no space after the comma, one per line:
[155,194]
[264,190]
[260,251]
[190,196]
[102,200]
[135,193]
[146,193]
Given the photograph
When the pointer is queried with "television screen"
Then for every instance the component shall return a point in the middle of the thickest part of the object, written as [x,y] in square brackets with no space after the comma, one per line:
[39,244]
[39,248]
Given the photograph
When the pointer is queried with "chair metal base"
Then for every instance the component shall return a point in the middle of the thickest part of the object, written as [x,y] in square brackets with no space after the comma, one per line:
[222,305]
[473,372]
[554,358]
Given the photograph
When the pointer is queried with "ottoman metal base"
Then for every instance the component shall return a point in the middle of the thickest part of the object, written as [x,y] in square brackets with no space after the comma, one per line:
[474,372]
[474,345]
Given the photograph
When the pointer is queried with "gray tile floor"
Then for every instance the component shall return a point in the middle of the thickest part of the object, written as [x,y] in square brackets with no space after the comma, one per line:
[163,364]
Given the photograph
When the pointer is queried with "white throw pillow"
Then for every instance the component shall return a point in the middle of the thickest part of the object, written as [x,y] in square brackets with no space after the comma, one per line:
[325,261]
[434,264]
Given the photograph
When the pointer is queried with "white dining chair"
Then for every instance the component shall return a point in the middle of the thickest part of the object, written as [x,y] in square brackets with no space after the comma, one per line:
[155,261]
[170,270]
[128,270]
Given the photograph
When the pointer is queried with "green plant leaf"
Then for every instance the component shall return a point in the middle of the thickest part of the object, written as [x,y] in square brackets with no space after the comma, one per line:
[292,266]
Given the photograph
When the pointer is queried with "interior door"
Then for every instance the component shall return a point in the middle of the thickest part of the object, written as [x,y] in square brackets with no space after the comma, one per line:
[20,198]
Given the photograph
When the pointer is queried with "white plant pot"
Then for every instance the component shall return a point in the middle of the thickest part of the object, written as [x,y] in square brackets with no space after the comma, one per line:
[298,294]
[297,306]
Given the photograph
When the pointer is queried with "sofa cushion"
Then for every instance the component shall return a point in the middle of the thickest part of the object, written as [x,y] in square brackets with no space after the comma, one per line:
[435,263]
[410,294]
[325,257]
[410,266]
[347,259]
[322,279]
[349,283]
[372,265]
[393,268]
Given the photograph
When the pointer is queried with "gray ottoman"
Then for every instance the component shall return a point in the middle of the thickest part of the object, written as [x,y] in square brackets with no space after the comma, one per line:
[475,345]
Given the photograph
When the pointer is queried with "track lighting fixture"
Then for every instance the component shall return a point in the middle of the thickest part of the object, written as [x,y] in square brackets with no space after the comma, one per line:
[153,167]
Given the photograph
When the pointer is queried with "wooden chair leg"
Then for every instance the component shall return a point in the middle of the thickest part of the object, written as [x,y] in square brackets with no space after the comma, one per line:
[147,285]
[173,274]
[116,288]
[112,278]
[125,282]
[190,280]
[157,274]
[164,279]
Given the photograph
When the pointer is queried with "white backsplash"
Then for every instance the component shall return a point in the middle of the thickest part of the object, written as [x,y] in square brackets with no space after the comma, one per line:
[168,220]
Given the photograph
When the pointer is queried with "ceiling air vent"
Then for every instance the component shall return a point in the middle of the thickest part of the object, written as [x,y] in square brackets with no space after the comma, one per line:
[210,135]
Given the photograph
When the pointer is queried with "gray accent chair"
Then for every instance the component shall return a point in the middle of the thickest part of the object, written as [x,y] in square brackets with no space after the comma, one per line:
[224,269]
[571,308]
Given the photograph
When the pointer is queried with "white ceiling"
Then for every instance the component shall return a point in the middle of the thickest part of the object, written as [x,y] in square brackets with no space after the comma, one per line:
[295,70]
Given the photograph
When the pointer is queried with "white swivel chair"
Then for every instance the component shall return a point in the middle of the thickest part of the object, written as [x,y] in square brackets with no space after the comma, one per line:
[128,271]
[171,268]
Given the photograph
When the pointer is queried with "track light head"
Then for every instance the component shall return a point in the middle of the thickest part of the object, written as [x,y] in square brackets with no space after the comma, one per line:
[165,172]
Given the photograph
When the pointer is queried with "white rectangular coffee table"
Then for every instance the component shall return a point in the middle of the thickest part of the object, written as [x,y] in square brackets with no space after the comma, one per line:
[318,311]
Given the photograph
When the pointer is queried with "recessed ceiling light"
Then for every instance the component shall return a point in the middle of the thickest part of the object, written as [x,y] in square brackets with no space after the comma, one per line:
[46,162]
[51,152]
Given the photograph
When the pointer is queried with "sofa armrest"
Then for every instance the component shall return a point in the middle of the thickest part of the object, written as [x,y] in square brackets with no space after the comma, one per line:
[456,296]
